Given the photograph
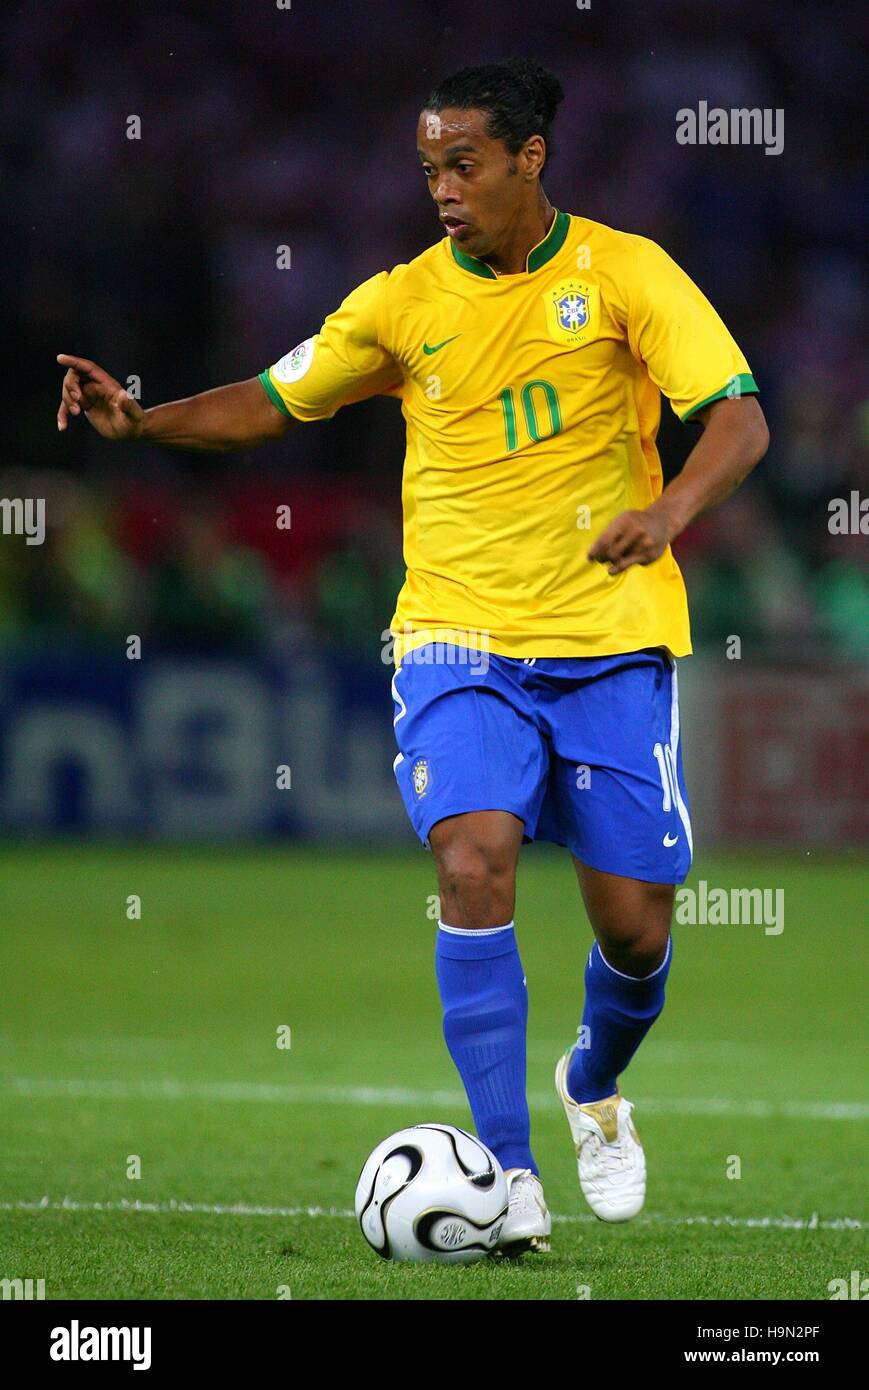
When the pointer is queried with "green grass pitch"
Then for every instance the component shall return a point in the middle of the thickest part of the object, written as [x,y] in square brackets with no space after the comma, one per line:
[157,1038]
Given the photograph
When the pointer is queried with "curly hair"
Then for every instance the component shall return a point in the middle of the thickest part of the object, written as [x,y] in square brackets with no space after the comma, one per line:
[519,96]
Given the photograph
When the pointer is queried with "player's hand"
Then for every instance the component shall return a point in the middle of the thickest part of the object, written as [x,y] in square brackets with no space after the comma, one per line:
[107,405]
[634,538]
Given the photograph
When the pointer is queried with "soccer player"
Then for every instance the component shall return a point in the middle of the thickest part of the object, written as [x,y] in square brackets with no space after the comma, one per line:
[536,635]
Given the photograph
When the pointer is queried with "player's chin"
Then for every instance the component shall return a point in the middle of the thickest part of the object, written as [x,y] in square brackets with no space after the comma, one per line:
[469,241]
[470,237]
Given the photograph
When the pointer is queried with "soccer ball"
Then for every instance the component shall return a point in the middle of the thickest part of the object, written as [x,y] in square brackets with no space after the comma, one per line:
[432,1192]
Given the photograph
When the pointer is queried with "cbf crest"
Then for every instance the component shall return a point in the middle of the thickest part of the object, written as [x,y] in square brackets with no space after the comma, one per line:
[573,312]
[419,774]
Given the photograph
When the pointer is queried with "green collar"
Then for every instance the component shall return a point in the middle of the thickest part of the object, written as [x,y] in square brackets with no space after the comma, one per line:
[537,256]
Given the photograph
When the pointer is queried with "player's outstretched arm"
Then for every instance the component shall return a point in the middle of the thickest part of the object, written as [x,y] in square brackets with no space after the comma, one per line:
[238,416]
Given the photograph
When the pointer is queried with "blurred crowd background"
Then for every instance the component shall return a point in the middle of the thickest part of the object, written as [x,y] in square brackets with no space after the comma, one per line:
[266,126]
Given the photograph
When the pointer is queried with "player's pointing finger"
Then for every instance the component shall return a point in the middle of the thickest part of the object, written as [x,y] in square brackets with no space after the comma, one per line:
[80,364]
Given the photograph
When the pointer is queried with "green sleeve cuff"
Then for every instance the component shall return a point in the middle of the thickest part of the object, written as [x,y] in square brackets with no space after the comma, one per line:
[273,395]
[747,387]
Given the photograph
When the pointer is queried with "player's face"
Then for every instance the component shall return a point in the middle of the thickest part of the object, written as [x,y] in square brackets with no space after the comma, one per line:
[471,178]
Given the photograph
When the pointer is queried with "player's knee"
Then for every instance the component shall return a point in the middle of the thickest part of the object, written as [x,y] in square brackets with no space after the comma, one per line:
[478,879]
[633,937]
[638,957]
[469,871]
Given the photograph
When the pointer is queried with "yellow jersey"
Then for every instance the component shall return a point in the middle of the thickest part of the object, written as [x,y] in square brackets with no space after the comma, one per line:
[532,402]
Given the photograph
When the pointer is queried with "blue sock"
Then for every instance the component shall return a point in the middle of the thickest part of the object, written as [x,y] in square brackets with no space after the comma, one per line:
[619,1011]
[485,1002]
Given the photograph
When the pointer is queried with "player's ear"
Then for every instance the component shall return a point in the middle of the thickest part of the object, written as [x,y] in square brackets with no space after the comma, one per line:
[533,156]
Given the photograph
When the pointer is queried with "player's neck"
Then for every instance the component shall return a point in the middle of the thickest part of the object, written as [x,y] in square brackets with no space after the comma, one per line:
[511,257]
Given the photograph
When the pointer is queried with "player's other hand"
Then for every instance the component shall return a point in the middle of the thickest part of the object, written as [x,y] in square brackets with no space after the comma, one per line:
[107,405]
[634,538]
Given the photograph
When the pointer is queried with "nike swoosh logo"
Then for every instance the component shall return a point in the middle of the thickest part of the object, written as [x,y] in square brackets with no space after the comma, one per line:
[668,842]
[437,347]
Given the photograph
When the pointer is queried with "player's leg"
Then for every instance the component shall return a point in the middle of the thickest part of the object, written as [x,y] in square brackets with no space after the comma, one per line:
[472,769]
[480,976]
[485,1001]
[626,822]
[476,855]
[625,976]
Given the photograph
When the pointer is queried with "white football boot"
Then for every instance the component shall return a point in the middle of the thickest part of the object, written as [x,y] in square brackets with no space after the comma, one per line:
[609,1155]
[528,1224]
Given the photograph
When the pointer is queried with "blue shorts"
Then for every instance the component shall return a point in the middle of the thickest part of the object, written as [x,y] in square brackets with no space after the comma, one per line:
[584,750]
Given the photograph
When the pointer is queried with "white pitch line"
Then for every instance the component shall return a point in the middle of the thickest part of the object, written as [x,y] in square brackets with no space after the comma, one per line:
[274,1094]
[174,1208]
